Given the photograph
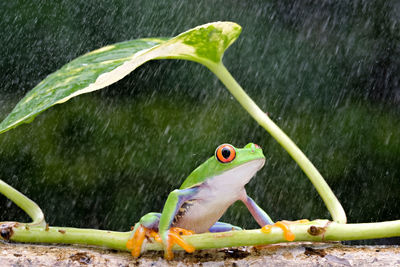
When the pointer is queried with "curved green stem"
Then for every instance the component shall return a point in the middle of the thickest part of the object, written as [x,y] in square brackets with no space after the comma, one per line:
[314,231]
[69,235]
[331,202]
[26,204]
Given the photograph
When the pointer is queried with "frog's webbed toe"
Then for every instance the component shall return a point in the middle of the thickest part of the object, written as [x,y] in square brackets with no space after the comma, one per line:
[147,227]
[135,243]
[174,237]
[284,225]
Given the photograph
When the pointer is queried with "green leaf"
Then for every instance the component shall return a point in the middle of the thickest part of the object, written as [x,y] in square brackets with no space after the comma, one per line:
[95,70]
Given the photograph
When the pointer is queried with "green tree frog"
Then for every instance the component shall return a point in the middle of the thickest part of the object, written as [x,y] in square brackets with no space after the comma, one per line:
[203,198]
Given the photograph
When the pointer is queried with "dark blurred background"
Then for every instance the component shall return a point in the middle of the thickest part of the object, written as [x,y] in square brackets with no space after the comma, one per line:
[326,71]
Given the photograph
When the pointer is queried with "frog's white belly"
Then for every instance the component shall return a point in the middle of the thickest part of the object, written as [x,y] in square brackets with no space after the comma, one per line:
[215,196]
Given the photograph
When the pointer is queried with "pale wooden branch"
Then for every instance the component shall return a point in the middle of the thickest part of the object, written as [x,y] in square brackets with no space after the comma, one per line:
[293,254]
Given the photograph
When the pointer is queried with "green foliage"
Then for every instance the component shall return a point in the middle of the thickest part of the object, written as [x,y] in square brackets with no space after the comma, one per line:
[102,67]
[210,42]
[73,77]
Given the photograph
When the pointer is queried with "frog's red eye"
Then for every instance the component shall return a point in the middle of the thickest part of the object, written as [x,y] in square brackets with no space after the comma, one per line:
[225,153]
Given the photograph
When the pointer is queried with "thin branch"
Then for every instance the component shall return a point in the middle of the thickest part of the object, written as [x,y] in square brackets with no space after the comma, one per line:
[331,202]
[25,203]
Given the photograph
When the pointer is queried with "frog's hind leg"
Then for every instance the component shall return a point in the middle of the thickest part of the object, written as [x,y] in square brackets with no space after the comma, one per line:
[151,220]
[145,228]
[223,227]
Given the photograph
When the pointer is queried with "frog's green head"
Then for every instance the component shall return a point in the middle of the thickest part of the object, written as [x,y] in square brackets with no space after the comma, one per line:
[246,161]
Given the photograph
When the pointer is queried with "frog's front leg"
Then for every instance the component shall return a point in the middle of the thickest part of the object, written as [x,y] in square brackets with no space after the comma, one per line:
[156,224]
[171,236]
[258,213]
[265,221]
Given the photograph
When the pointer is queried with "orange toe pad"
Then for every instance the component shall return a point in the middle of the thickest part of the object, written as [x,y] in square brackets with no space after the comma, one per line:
[287,233]
[135,243]
[174,237]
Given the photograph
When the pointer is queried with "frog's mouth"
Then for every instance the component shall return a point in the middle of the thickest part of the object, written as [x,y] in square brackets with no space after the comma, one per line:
[261,164]
[253,166]
[246,171]
[238,176]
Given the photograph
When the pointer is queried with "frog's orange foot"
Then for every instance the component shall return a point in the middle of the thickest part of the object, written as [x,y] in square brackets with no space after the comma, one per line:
[296,222]
[135,243]
[174,237]
[284,225]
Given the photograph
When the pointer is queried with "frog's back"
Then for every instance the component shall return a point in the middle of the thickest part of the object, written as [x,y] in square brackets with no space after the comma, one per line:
[200,174]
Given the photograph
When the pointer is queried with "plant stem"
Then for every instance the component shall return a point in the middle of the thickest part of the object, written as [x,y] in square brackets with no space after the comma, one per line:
[69,235]
[331,202]
[315,231]
[26,204]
